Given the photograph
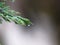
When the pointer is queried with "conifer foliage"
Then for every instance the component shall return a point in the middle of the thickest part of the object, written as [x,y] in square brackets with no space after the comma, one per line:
[11,15]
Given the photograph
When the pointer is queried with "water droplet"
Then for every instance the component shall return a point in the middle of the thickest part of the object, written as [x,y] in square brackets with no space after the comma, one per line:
[28,25]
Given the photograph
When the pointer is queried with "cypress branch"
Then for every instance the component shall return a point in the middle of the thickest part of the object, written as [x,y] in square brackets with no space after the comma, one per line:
[11,15]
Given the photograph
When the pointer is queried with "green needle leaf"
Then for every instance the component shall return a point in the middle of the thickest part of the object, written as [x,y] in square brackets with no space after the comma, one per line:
[11,15]
[13,0]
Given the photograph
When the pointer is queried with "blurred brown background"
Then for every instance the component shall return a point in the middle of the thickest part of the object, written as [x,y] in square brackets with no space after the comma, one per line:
[34,9]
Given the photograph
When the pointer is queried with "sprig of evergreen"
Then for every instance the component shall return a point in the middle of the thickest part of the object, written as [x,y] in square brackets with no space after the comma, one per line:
[11,15]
